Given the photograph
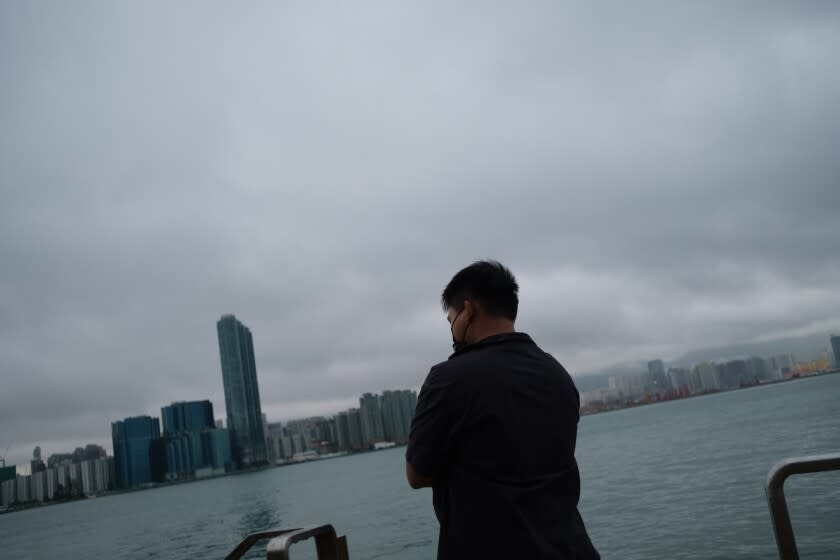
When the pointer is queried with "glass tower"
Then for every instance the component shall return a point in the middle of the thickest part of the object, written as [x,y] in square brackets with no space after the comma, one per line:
[191,416]
[242,394]
[138,451]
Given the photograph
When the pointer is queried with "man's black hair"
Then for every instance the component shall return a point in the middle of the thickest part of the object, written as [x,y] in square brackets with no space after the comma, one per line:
[489,283]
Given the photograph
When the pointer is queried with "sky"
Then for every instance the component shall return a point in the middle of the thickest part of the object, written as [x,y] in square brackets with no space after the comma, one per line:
[660,176]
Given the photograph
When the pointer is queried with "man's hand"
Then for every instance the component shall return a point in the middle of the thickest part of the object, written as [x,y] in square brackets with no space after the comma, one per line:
[415,479]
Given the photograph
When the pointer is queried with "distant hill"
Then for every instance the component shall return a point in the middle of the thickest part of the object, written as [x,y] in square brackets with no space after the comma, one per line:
[803,348]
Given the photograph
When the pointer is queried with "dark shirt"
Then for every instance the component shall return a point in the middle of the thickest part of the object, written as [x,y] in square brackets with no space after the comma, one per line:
[495,428]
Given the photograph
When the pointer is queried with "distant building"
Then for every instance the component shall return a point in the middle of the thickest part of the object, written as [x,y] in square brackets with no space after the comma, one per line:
[194,445]
[24,489]
[52,484]
[735,374]
[138,451]
[7,472]
[371,412]
[38,484]
[8,492]
[708,374]
[191,416]
[36,464]
[354,421]
[220,457]
[397,413]
[657,380]
[679,378]
[835,349]
[190,454]
[757,369]
[343,430]
[242,395]
[781,365]
[65,488]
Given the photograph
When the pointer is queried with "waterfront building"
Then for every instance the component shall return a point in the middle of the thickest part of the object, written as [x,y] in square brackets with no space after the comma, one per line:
[7,472]
[708,374]
[757,369]
[397,413]
[190,416]
[835,349]
[354,424]
[52,483]
[75,476]
[657,380]
[371,412]
[8,492]
[39,486]
[679,378]
[88,478]
[220,456]
[343,430]
[24,489]
[139,452]
[242,396]
[63,475]
[735,374]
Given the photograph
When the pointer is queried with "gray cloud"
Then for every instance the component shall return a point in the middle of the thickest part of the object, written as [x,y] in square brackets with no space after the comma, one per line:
[660,178]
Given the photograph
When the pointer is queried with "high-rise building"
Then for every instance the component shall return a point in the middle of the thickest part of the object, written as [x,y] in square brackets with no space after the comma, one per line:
[343,430]
[24,489]
[7,472]
[835,349]
[679,378]
[217,446]
[8,492]
[397,413]
[242,395]
[757,368]
[735,374]
[354,422]
[371,411]
[39,486]
[657,380]
[138,451]
[52,484]
[708,374]
[191,416]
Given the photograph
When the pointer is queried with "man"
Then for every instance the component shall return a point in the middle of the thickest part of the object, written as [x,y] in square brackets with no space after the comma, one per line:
[494,433]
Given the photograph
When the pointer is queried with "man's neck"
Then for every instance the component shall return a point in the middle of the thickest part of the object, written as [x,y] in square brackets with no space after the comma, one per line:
[491,327]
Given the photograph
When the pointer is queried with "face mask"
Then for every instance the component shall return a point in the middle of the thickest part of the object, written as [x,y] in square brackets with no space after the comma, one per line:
[458,345]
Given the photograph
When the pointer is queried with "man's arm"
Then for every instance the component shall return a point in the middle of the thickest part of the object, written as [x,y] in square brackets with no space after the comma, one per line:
[415,479]
[431,433]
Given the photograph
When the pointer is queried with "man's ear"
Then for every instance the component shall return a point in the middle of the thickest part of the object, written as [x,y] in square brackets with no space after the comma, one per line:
[471,309]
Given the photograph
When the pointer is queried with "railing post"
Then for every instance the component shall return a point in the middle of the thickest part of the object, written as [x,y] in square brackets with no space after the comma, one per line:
[774,488]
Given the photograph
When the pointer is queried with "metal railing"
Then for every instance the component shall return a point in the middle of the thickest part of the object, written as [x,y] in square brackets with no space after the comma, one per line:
[328,545]
[776,496]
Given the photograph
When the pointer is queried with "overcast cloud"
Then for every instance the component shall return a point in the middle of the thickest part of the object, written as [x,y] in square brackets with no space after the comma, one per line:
[660,177]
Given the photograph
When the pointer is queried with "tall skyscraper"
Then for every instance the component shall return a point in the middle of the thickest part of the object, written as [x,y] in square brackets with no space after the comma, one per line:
[372,429]
[242,394]
[835,348]
[138,451]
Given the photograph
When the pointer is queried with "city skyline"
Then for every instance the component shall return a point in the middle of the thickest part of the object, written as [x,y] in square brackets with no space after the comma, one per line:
[22,458]
[358,403]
